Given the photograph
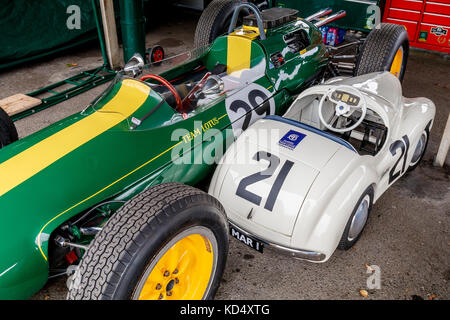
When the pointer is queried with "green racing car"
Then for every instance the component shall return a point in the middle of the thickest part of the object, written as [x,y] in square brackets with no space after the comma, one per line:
[107,194]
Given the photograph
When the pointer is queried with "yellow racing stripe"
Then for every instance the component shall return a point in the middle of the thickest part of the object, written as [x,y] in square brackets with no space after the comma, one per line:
[14,171]
[98,192]
[238,53]
[39,242]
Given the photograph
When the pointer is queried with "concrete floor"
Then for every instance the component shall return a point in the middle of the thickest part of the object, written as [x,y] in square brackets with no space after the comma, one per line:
[407,235]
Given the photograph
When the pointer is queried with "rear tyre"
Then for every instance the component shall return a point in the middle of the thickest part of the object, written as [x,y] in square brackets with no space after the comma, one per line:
[215,21]
[357,221]
[8,132]
[169,242]
[385,49]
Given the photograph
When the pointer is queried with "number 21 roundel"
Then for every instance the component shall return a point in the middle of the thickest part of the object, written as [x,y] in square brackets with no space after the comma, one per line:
[247,106]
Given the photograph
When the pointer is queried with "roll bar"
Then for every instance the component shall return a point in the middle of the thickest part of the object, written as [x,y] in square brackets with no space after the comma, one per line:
[258,16]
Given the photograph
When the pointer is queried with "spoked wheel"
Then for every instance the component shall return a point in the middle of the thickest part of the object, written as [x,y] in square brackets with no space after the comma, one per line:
[169,242]
[419,150]
[357,221]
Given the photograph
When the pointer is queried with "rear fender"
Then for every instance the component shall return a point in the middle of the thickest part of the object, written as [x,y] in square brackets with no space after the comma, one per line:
[418,114]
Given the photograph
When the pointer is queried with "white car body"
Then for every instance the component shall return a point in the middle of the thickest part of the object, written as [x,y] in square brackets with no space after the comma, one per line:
[303,199]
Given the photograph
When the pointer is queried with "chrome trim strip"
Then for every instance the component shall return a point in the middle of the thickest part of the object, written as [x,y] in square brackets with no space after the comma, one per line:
[294,253]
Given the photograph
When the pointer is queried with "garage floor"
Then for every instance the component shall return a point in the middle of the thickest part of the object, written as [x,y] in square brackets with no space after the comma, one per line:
[408,233]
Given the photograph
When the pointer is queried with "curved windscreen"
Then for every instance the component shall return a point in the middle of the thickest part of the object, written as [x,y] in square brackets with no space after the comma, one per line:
[175,60]
[203,78]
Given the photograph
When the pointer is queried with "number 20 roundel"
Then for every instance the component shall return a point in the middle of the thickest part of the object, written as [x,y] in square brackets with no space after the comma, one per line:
[247,106]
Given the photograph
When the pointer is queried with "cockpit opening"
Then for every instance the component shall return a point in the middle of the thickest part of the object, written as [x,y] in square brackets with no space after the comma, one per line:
[366,135]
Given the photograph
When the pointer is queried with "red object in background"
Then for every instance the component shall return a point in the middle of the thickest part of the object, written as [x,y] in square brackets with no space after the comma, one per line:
[71,257]
[167,84]
[427,21]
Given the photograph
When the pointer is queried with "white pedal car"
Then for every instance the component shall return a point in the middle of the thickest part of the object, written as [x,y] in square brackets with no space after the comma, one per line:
[305,183]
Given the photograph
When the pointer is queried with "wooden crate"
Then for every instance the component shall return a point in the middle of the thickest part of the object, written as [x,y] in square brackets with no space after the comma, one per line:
[17,103]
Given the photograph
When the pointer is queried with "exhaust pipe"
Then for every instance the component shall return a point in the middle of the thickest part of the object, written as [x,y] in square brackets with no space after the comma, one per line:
[331,18]
[319,14]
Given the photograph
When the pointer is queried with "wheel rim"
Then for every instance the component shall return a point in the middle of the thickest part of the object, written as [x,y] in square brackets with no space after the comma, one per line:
[183,269]
[157,55]
[359,219]
[396,65]
[419,149]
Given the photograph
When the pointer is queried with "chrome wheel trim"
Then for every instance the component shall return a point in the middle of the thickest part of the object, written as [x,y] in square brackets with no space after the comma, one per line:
[359,219]
[420,148]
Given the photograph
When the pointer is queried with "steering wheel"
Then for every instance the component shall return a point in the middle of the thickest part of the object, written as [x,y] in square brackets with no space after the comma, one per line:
[351,99]
[169,86]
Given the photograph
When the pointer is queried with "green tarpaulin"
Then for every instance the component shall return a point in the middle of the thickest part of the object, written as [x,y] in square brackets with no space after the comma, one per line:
[34,28]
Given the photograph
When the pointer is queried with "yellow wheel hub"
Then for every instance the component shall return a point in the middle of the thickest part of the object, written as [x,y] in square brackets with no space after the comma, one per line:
[183,272]
[396,65]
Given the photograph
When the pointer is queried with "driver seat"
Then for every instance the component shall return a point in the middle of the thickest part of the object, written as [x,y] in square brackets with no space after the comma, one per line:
[307,112]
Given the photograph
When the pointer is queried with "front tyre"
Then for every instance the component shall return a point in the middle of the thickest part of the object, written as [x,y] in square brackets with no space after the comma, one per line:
[357,221]
[169,242]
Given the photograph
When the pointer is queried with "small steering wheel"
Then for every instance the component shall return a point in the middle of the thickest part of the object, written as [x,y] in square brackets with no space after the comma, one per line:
[169,86]
[345,104]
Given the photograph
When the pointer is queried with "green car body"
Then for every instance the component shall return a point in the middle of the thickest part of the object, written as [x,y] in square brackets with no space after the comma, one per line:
[98,155]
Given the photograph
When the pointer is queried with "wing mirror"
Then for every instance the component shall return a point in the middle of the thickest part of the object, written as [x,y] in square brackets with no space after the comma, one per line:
[134,66]
[213,85]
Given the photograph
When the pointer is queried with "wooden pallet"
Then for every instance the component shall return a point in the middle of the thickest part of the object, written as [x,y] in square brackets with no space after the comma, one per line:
[18,103]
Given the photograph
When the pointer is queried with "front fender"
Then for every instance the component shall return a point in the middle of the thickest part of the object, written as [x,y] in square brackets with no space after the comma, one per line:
[330,203]
[22,270]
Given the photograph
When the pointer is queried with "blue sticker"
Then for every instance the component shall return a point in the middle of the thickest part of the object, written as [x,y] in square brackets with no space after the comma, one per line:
[291,139]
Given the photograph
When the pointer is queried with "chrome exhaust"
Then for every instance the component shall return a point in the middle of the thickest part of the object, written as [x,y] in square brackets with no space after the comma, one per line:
[331,18]
[319,14]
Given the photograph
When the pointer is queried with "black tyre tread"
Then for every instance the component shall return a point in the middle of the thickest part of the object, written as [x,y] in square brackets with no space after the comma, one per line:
[376,48]
[214,10]
[111,250]
[8,132]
